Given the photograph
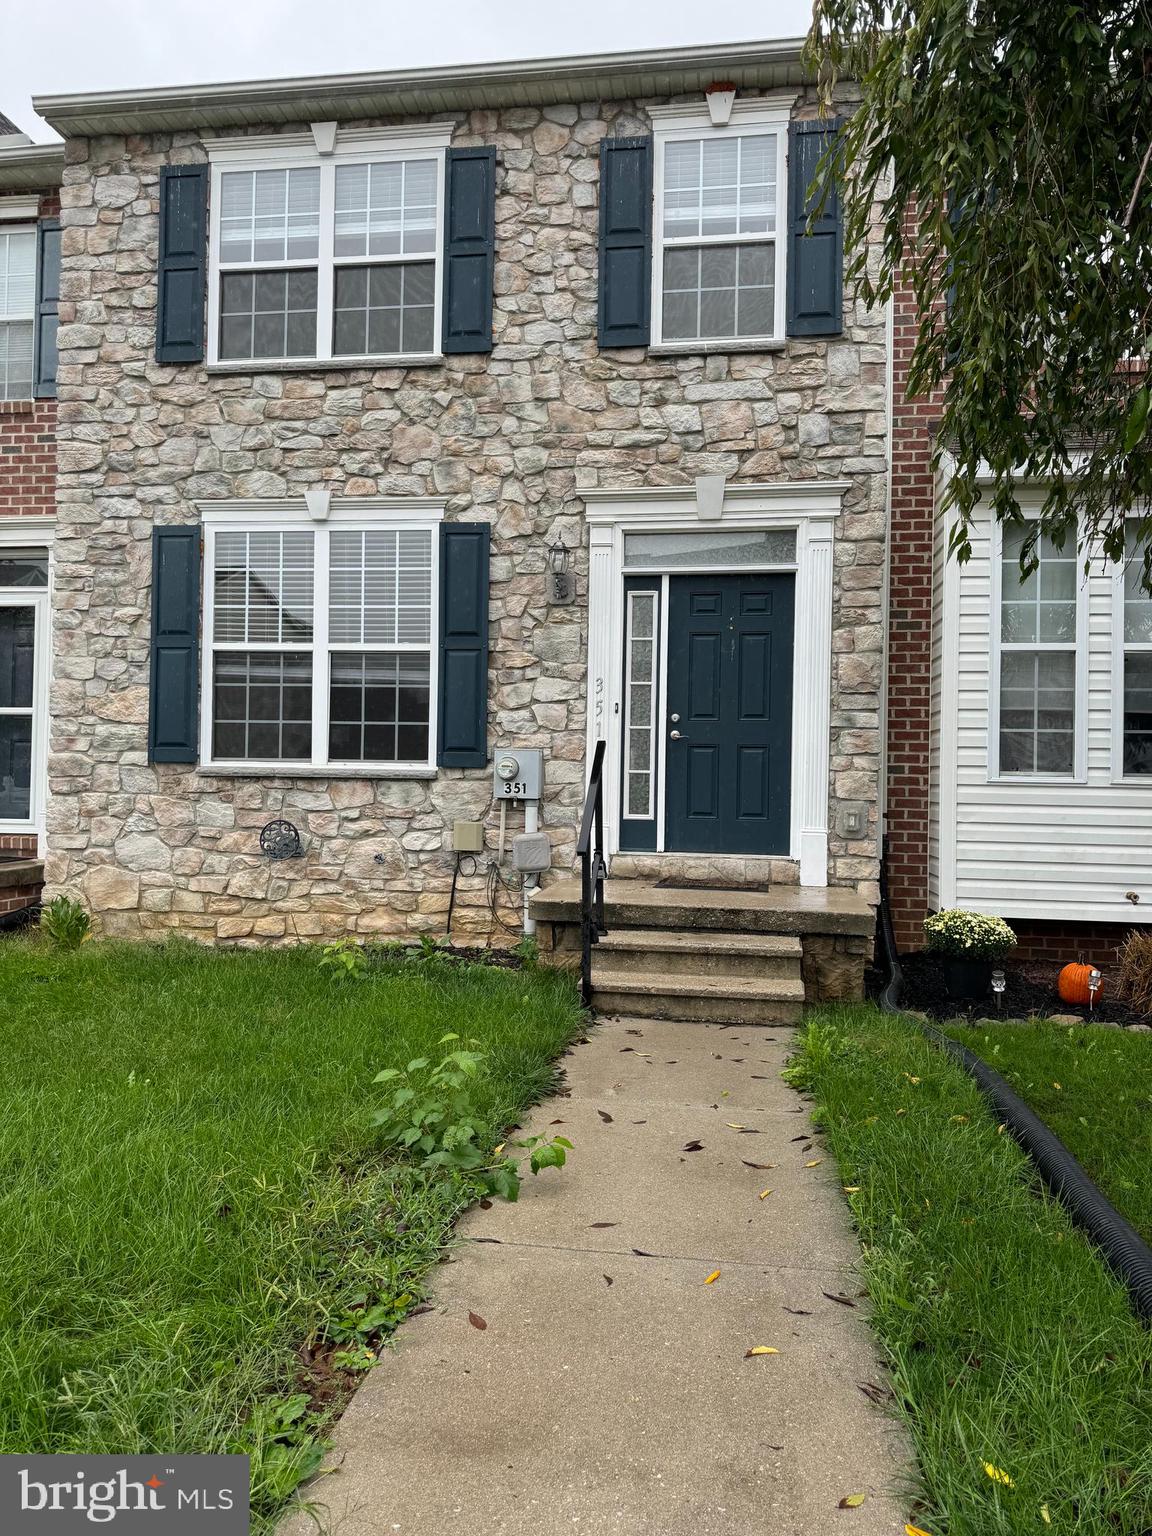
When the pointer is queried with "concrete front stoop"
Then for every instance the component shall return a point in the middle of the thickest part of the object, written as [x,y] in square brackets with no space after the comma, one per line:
[576,1373]
[713,955]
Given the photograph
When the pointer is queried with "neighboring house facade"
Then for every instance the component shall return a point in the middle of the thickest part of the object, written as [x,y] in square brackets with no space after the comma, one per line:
[29,278]
[1019,717]
[409,419]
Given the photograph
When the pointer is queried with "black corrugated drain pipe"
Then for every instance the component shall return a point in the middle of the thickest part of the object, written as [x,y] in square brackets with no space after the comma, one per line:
[1122,1246]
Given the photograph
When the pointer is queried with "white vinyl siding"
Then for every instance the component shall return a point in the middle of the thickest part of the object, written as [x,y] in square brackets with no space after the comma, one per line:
[1018,846]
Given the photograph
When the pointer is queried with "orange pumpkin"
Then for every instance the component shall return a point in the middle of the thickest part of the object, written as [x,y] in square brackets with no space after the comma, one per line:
[1073,984]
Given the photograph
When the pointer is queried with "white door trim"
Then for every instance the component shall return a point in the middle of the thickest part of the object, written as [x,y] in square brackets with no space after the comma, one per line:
[811,508]
[24,533]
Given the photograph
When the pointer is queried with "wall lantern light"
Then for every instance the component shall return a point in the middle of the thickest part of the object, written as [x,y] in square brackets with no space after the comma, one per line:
[561,580]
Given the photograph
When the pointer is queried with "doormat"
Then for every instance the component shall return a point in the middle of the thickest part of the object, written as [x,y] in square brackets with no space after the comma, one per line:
[764,887]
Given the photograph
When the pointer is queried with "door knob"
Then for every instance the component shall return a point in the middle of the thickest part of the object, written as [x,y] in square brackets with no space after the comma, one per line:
[675,735]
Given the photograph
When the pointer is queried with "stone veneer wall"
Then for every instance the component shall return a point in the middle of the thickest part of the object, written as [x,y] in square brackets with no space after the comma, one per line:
[511,438]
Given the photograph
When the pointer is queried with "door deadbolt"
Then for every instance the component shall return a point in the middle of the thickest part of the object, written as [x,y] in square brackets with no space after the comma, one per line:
[674,718]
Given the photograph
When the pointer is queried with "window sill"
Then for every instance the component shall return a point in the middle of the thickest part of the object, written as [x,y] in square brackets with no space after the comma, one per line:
[713,348]
[328,364]
[288,771]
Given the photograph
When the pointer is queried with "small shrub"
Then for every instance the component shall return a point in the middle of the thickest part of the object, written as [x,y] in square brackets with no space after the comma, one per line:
[345,959]
[968,935]
[432,1116]
[1135,971]
[527,951]
[66,923]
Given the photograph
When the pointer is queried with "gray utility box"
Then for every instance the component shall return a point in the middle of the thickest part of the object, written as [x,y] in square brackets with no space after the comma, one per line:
[518,773]
[531,853]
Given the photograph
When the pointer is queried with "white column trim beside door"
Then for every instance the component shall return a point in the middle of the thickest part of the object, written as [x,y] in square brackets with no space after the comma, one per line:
[811,699]
[811,508]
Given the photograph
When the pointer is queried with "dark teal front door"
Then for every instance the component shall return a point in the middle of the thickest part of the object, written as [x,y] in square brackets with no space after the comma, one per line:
[728,724]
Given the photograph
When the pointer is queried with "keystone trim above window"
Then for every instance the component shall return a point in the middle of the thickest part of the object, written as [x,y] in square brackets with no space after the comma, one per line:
[327,257]
[720,226]
[320,642]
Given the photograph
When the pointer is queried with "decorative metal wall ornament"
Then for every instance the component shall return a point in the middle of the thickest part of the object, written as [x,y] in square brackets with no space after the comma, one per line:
[281,840]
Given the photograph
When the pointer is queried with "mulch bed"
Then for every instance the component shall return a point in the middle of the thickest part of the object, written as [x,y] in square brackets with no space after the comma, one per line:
[1031,991]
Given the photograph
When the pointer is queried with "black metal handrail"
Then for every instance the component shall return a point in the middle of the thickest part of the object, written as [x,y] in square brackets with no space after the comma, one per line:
[590,852]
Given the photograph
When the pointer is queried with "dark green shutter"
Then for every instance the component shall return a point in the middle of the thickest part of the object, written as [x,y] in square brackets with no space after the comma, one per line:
[625,318]
[816,254]
[463,730]
[469,248]
[47,307]
[173,700]
[183,264]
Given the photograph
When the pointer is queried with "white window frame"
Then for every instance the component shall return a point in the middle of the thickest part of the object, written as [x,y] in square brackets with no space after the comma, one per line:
[1120,649]
[1079,649]
[353,515]
[29,318]
[33,533]
[673,124]
[309,151]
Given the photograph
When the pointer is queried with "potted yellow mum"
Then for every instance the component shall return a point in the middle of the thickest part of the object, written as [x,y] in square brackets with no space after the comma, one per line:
[967,944]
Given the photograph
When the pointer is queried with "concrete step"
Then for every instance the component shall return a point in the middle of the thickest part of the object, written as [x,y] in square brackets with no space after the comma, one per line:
[757,956]
[699,997]
[782,910]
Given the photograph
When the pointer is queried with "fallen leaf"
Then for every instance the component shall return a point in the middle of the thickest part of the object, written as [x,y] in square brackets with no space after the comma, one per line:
[998,1475]
[798,1311]
[639,1122]
[1044,1514]
[693,1146]
[633,1031]
[874,1392]
[485,1239]
[845,1301]
[477,1321]
[713,1277]
[852,1501]
[901,1112]
[642,1253]
[764,1193]
[1000,1129]
[960,1119]
[760,1166]
[814,1163]
[760,1349]
[852,1189]
[910,1078]
[596,1225]
[608,1279]
[557,1122]
[805,1137]
[626,1048]
[605,1116]
[732,1126]
[496,1151]
[914,1530]
[1057,1087]
[485,1205]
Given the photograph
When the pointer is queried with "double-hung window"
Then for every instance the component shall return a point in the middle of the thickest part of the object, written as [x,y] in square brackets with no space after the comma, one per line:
[331,257]
[319,645]
[1135,683]
[17,311]
[720,223]
[1038,645]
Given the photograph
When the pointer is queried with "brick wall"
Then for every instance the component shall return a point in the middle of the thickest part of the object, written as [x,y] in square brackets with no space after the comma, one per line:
[27,457]
[909,636]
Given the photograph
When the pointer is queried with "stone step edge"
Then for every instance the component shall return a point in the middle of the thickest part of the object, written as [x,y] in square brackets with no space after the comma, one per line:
[781,989]
[773,945]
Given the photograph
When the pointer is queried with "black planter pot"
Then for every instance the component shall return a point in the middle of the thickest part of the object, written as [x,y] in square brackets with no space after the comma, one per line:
[966,978]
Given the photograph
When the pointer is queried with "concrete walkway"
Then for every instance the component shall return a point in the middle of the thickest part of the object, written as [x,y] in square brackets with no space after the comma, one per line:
[608,1391]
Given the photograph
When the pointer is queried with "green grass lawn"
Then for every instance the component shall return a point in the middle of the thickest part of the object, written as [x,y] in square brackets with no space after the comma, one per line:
[1009,1342]
[190,1191]
[1093,1087]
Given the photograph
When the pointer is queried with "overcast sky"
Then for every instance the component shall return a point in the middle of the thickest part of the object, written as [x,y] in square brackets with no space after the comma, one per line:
[80,45]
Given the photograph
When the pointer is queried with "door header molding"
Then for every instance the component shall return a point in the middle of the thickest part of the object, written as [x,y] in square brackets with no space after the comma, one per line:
[745,502]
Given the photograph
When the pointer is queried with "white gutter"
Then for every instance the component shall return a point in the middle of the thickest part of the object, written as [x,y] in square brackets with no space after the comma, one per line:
[469,86]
